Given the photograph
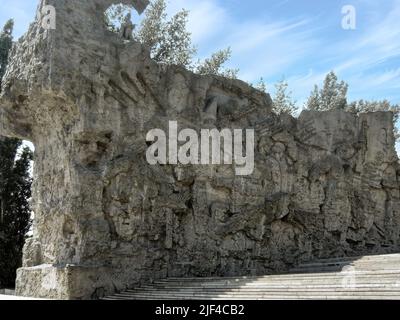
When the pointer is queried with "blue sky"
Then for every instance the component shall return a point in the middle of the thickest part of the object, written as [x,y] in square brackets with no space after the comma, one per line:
[299,40]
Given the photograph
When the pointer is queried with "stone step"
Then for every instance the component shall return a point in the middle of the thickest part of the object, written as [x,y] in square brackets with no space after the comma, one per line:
[279,298]
[305,277]
[258,294]
[393,287]
[361,281]
[374,277]
[265,296]
[295,286]
[334,269]
[261,294]
[363,258]
[289,278]
[362,266]
[385,261]
[265,299]
[267,291]
[367,292]
[360,261]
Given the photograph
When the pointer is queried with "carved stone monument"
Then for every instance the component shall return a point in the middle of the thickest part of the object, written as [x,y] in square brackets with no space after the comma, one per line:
[324,185]
[127,27]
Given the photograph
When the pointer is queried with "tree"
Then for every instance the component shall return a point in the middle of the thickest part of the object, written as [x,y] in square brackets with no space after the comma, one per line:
[15,188]
[332,96]
[214,65]
[5,46]
[282,101]
[153,25]
[314,101]
[261,85]
[174,43]
[169,40]
[363,106]
[15,214]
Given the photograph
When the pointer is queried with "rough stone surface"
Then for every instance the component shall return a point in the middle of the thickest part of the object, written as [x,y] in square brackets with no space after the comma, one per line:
[324,185]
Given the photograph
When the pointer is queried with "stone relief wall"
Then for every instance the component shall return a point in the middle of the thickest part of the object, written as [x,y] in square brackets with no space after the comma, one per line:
[324,185]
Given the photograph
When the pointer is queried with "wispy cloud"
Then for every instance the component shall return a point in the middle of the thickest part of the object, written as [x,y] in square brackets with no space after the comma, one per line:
[298,40]
[257,44]
[367,59]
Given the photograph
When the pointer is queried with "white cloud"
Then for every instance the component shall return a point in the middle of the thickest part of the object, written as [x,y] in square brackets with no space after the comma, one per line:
[250,36]
[206,18]
[377,44]
[298,48]
[364,59]
[206,21]
[259,47]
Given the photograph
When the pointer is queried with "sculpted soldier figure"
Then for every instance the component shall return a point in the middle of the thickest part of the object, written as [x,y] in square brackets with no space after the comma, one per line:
[127,28]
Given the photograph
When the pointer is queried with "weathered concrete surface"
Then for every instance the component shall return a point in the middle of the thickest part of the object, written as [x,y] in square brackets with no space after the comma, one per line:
[15,298]
[324,185]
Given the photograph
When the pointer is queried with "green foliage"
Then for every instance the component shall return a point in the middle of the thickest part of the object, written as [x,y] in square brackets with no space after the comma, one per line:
[153,25]
[314,101]
[332,96]
[261,85]
[5,46]
[15,188]
[363,106]
[169,40]
[282,101]
[214,65]
[15,221]
[174,44]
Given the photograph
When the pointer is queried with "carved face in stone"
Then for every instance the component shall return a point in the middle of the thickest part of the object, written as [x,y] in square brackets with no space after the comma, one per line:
[184,174]
[90,149]
[264,146]
[345,150]
[278,149]
[178,95]
[90,152]
[383,137]
[219,212]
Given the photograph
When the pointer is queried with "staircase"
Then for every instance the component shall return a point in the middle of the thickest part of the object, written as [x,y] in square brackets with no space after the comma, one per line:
[369,277]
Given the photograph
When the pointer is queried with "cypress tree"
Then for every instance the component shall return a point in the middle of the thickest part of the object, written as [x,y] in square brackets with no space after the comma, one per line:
[15,187]
[6,40]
